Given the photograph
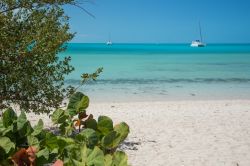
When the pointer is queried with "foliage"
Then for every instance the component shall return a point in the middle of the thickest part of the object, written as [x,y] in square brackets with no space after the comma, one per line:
[94,142]
[32,33]
[100,133]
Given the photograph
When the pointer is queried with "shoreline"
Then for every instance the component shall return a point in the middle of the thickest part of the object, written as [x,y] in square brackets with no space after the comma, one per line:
[213,132]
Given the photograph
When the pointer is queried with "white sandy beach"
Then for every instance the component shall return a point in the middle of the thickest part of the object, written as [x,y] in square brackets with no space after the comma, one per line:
[182,133]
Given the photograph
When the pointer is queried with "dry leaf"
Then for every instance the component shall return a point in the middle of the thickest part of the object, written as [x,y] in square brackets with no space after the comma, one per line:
[58,163]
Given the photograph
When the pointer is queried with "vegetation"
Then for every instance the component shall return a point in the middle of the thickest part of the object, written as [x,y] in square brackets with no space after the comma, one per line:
[82,141]
[32,33]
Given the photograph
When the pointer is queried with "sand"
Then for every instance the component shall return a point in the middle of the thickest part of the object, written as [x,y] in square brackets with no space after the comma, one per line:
[181,133]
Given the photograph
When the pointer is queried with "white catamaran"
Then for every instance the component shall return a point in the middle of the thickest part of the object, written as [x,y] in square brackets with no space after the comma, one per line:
[198,43]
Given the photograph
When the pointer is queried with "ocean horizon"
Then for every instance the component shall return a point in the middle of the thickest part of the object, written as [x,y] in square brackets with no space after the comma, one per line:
[159,72]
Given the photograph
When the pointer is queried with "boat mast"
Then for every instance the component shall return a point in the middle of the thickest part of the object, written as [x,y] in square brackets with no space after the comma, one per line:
[200,31]
[109,38]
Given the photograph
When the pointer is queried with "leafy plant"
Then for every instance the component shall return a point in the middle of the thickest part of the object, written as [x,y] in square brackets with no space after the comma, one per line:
[32,33]
[93,143]
[101,133]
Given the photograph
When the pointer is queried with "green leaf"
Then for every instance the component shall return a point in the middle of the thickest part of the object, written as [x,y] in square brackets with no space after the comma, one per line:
[38,128]
[72,162]
[29,129]
[74,100]
[95,157]
[33,141]
[72,112]
[83,104]
[111,140]
[42,156]
[6,144]
[78,102]
[43,153]
[6,131]
[108,160]
[66,128]
[92,157]
[24,127]
[120,159]
[123,130]
[88,136]
[91,123]
[21,120]
[59,116]
[104,125]
[8,117]
[63,142]
[71,151]
[51,142]
[83,152]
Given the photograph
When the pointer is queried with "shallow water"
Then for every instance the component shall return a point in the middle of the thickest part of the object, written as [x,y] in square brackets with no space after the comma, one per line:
[142,72]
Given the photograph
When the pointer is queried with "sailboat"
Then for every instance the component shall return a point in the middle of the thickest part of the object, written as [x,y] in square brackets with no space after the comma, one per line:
[198,43]
[109,42]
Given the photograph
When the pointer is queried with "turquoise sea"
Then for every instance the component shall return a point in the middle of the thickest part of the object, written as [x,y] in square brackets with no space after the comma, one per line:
[153,72]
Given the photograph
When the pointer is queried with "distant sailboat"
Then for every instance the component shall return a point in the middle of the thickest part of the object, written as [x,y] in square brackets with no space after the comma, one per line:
[198,43]
[109,42]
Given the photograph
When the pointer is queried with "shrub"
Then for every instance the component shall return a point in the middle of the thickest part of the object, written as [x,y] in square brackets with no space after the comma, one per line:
[82,141]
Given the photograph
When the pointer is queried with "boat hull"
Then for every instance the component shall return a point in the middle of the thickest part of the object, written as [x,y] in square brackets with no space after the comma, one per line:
[197,44]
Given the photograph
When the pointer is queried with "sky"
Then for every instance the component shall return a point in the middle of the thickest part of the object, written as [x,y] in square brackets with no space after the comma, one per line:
[161,21]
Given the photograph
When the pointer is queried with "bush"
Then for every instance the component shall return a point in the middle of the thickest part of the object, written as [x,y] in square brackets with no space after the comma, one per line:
[82,140]
[32,33]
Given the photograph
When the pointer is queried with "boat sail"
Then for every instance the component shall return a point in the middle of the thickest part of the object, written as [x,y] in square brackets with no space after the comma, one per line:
[198,43]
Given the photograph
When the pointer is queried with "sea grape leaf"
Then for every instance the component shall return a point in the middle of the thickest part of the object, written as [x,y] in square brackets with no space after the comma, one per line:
[38,128]
[88,136]
[33,141]
[104,125]
[72,112]
[83,104]
[74,100]
[123,129]
[59,116]
[66,128]
[21,120]
[78,102]
[51,142]
[6,144]
[108,160]
[83,152]
[82,115]
[90,123]
[111,140]
[8,117]
[25,130]
[42,156]
[91,157]
[2,127]
[28,129]
[120,159]
[71,162]
[64,142]
[95,157]
[6,131]
[44,153]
